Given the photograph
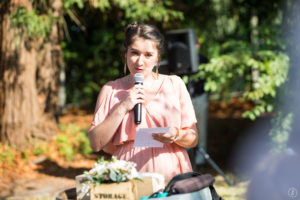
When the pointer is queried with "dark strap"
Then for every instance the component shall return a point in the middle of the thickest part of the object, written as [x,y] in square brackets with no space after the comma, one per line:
[191,181]
[214,193]
[180,177]
[192,184]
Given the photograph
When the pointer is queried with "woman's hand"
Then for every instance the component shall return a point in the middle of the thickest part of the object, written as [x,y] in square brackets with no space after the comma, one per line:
[186,137]
[169,137]
[135,95]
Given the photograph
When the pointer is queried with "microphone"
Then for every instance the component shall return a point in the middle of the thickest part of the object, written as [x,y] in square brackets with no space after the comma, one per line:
[138,79]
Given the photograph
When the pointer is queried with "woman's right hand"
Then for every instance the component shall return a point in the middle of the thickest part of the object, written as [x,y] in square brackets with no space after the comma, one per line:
[101,134]
[135,95]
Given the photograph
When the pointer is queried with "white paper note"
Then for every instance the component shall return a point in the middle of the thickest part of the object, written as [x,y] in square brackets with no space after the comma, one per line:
[143,137]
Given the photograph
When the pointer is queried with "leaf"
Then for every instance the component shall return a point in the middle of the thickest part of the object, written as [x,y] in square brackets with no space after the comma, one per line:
[112,175]
[270,108]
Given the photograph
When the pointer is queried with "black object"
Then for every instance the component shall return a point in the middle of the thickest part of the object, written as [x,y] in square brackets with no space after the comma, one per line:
[190,182]
[66,194]
[182,52]
[138,80]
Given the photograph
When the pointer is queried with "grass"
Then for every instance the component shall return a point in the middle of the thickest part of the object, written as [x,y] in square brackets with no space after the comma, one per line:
[72,141]
[69,142]
[236,192]
[6,155]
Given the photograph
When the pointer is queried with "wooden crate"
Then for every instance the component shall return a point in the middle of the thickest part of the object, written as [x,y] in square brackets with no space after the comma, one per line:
[114,191]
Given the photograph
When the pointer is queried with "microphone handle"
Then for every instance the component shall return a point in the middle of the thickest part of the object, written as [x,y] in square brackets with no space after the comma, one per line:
[138,109]
[137,113]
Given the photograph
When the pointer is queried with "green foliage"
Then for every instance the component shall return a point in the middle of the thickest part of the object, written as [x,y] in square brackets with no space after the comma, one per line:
[6,155]
[68,4]
[136,10]
[280,131]
[32,22]
[93,56]
[218,21]
[72,141]
[69,142]
[88,70]
[257,75]
[40,148]
[65,147]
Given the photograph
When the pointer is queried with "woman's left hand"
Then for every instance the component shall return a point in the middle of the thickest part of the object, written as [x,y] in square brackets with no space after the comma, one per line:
[168,137]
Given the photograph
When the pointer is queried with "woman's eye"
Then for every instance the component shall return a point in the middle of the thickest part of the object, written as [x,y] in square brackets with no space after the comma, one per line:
[148,55]
[134,52]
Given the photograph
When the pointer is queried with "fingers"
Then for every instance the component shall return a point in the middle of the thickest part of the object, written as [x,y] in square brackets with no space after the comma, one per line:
[138,89]
[163,137]
[135,95]
[168,137]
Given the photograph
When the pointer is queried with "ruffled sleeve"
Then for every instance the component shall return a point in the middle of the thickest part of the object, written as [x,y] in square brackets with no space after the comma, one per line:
[188,116]
[102,110]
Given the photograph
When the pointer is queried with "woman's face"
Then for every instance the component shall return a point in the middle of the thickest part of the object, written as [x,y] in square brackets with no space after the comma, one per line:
[141,56]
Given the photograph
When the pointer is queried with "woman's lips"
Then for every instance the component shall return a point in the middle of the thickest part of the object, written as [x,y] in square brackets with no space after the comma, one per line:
[138,69]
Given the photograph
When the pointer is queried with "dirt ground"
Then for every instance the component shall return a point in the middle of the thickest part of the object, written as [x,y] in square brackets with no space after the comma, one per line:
[41,178]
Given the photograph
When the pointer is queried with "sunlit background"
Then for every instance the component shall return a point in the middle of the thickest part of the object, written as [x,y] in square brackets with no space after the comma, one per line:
[56,55]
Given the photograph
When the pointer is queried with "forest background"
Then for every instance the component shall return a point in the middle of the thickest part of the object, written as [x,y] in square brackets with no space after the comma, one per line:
[56,55]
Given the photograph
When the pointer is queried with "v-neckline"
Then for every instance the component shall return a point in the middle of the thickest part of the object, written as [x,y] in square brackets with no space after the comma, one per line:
[157,91]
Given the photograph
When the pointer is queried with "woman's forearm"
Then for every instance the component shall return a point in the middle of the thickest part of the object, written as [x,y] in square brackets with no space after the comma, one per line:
[101,134]
[188,137]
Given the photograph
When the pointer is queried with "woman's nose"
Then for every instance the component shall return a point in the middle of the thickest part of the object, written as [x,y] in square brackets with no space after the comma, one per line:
[141,60]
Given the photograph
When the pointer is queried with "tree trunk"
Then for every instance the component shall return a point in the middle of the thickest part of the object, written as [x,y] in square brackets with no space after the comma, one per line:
[29,79]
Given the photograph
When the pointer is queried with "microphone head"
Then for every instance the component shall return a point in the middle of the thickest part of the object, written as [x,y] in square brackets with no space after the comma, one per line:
[138,78]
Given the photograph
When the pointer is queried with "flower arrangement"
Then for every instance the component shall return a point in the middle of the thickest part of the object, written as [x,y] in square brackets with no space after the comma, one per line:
[105,171]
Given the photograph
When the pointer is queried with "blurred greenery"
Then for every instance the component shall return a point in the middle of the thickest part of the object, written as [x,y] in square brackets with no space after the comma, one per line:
[6,155]
[93,54]
[68,143]
[234,71]
[243,40]
[224,28]
[73,141]
[36,25]
[280,131]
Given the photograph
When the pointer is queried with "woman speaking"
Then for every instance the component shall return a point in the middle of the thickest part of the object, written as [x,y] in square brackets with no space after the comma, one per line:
[165,103]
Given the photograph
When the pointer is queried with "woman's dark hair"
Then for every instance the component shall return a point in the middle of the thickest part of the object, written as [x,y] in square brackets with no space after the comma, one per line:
[145,31]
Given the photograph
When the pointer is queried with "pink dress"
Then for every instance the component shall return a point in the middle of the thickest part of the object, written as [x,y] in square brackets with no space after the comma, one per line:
[171,106]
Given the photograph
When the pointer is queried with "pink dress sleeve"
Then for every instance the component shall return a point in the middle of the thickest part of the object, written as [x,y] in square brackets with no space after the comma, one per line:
[102,110]
[188,116]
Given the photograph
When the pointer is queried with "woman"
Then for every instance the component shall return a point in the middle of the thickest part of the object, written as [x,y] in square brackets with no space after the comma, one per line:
[166,103]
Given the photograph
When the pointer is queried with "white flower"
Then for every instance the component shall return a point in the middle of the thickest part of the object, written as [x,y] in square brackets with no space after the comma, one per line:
[114,171]
[99,170]
[133,174]
[119,164]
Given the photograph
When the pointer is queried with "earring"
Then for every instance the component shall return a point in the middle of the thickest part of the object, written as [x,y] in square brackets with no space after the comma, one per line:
[157,71]
[125,67]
